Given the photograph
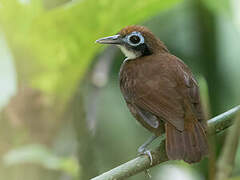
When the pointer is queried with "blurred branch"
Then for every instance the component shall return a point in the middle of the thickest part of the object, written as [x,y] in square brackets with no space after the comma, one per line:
[100,72]
[141,163]
[84,112]
[226,161]
[99,78]
[85,146]
[206,29]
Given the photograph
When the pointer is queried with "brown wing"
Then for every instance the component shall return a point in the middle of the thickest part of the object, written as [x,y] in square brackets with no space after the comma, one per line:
[165,90]
[193,92]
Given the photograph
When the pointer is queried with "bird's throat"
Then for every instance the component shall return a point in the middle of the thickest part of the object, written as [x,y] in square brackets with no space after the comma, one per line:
[129,54]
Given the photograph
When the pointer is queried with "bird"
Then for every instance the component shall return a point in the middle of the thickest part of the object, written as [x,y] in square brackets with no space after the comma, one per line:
[161,93]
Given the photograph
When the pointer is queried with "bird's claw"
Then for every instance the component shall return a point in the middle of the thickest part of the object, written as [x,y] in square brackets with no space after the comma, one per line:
[143,151]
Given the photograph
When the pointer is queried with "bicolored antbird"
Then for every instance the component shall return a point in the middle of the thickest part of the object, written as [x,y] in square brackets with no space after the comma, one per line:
[161,93]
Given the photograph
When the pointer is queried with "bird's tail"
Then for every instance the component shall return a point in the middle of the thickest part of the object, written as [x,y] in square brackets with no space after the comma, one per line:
[189,145]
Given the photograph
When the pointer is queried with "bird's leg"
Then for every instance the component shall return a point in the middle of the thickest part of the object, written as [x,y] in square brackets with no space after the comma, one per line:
[142,149]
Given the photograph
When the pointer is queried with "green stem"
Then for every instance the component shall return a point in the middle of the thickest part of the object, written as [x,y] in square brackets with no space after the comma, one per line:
[141,163]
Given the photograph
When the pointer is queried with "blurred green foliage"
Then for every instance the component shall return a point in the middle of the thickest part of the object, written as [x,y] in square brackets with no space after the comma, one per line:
[53,49]
[40,155]
[62,40]
[218,6]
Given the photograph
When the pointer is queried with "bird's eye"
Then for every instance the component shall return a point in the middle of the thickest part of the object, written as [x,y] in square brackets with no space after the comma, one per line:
[134,39]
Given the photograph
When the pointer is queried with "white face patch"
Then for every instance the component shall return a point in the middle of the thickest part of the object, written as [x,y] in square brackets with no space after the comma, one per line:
[128,54]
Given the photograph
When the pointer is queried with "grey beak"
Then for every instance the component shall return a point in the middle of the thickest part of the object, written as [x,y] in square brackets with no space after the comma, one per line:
[116,39]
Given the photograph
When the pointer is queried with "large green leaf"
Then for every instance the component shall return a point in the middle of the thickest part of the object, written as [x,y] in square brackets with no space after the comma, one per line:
[61,42]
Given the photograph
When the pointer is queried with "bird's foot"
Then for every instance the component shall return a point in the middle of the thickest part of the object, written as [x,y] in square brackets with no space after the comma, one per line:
[143,151]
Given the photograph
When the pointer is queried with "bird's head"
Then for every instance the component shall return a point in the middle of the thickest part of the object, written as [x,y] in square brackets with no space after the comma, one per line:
[135,41]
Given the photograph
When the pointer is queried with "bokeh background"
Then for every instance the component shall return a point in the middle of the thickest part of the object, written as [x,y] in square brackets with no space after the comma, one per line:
[62,114]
